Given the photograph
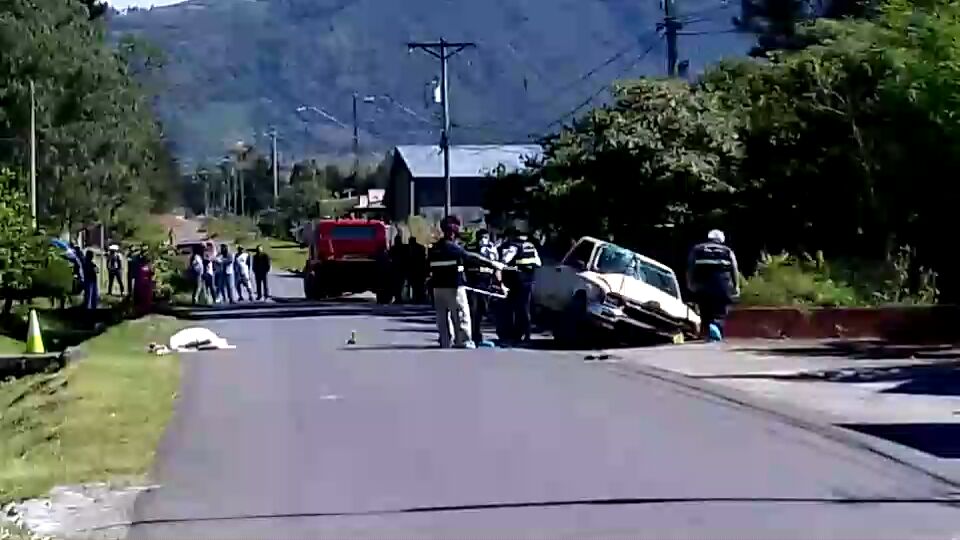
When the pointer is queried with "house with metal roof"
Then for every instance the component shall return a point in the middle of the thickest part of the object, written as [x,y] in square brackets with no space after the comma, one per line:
[417,186]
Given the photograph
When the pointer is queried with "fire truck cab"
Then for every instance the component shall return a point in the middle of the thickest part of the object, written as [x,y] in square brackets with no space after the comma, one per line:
[346,256]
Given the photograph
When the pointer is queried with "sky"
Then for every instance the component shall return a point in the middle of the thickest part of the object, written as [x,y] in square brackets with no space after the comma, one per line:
[124,4]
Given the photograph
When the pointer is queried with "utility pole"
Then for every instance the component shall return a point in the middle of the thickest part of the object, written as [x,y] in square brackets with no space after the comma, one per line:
[33,154]
[670,27]
[276,168]
[356,139]
[444,50]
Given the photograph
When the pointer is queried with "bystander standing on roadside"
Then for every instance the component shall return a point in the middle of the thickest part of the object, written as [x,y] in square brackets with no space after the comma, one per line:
[242,273]
[261,272]
[224,274]
[91,288]
[196,274]
[114,269]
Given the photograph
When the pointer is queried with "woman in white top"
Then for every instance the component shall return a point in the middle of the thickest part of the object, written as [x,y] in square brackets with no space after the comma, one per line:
[242,273]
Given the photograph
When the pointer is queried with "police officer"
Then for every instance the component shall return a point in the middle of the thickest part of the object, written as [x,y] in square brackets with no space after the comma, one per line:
[447,259]
[482,278]
[522,254]
[712,278]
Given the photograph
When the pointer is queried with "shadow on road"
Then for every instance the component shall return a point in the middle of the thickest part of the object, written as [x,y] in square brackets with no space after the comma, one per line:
[297,310]
[940,440]
[861,350]
[936,379]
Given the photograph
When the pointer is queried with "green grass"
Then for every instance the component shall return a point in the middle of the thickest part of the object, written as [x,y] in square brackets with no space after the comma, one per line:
[98,419]
[285,255]
[9,345]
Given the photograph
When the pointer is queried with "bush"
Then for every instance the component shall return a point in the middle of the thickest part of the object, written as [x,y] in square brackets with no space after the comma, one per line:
[788,280]
[55,280]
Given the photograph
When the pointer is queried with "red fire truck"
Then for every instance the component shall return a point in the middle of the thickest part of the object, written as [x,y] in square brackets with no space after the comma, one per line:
[346,256]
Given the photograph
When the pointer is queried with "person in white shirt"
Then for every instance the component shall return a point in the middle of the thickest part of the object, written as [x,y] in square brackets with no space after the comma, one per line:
[224,274]
[242,274]
[196,274]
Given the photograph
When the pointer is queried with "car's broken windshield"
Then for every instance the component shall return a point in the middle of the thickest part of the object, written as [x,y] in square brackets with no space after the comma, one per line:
[617,260]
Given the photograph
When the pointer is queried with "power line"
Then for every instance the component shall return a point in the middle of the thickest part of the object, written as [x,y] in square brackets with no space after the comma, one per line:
[584,77]
[602,89]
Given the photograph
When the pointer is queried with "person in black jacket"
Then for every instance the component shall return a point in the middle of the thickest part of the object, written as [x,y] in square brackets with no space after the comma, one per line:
[261,270]
[712,278]
[447,259]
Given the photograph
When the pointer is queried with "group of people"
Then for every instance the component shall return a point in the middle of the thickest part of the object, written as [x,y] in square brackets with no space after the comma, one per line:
[406,270]
[464,280]
[218,275]
[138,281]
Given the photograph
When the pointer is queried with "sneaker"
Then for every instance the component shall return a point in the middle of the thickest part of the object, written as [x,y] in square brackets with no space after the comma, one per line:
[468,345]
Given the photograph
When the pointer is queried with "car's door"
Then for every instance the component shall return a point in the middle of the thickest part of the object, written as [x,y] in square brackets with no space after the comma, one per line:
[556,285]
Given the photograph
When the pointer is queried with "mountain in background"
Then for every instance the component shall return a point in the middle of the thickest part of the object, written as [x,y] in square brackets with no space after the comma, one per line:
[236,68]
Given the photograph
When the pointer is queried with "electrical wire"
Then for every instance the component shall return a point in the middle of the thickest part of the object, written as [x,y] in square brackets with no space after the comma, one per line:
[590,73]
[601,90]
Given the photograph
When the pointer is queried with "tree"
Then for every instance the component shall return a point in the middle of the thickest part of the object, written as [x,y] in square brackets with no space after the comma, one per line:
[100,147]
[22,250]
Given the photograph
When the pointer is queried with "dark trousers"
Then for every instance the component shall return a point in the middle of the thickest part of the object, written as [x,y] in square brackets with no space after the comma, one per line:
[479,306]
[114,275]
[263,288]
[713,310]
[418,288]
[516,312]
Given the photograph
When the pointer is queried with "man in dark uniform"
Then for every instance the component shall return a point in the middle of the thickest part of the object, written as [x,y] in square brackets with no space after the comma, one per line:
[417,270]
[447,259]
[712,278]
[522,254]
[480,277]
[399,259]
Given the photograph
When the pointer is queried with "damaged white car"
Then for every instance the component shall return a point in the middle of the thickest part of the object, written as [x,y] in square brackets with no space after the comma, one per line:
[603,288]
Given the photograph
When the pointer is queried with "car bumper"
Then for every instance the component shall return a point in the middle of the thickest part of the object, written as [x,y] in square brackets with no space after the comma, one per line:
[633,321]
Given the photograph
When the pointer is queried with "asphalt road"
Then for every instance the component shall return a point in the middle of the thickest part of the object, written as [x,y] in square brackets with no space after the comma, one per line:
[296,435]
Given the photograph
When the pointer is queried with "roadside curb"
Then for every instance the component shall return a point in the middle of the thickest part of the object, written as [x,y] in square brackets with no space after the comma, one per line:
[804,419]
[28,364]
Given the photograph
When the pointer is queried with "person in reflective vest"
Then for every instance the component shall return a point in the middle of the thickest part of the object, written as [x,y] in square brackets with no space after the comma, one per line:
[522,254]
[447,259]
[480,277]
[712,278]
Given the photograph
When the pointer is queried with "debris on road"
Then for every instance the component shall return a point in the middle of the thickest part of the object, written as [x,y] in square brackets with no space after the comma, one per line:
[353,338]
[198,339]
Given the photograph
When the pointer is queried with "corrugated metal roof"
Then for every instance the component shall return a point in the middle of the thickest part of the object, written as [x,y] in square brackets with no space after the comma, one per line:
[466,161]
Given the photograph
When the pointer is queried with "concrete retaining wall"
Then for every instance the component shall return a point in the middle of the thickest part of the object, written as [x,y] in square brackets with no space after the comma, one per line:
[905,324]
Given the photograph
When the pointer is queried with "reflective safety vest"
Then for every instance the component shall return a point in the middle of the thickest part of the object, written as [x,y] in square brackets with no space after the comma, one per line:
[527,257]
[474,268]
[446,265]
[712,267]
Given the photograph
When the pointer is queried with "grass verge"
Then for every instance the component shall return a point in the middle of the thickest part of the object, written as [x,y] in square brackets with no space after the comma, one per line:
[285,255]
[9,345]
[98,419]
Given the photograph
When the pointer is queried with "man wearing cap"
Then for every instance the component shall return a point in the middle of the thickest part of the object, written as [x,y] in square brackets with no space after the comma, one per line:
[713,280]
[114,269]
[521,253]
[447,259]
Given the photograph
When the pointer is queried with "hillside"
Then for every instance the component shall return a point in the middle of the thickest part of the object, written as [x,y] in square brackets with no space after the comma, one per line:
[236,67]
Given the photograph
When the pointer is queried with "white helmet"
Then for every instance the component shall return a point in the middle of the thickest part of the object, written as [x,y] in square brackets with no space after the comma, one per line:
[716,235]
